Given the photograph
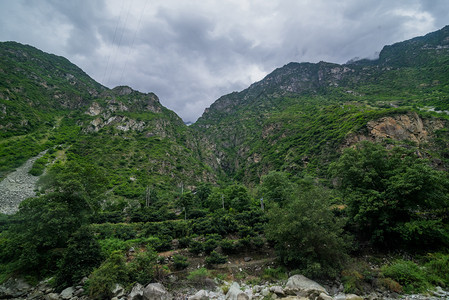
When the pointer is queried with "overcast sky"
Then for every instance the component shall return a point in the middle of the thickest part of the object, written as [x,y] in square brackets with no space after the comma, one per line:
[191,52]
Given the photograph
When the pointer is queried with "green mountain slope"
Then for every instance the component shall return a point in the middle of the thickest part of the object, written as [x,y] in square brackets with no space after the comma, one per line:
[47,103]
[299,117]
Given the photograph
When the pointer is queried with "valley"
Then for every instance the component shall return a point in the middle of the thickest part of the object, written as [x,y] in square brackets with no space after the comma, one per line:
[335,172]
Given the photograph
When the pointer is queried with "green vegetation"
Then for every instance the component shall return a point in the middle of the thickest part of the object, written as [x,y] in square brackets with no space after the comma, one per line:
[302,164]
[307,234]
[393,198]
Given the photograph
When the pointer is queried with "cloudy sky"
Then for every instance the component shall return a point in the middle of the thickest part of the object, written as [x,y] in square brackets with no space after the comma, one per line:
[190,52]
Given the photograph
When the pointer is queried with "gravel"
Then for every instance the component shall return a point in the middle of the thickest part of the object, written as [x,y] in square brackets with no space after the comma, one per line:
[18,186]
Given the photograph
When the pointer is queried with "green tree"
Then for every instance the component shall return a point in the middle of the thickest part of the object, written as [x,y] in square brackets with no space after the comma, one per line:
[307,235]
[83,254]
[393,197]
[39,237]
[276,188]
[237,197]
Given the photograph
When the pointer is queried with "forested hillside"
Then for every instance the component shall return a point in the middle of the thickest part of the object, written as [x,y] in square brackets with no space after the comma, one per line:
[337,172]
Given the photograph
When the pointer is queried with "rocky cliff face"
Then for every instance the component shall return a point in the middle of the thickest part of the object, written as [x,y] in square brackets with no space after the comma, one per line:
[403,127]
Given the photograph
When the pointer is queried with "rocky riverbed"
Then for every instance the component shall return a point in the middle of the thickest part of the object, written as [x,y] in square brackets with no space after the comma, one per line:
[297,287]
[18,186]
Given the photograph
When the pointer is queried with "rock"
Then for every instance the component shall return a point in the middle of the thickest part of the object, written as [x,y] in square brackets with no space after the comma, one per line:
[353,297]
[136,292]
[14,288]
[235,293]
[36,294]
[51,296]
[303,286]
[118,291]
[247,259]
[324,296]
[79,292]
[200,295]
[439,292]
[67,293]
[340,297]
[156,291]
[278,290]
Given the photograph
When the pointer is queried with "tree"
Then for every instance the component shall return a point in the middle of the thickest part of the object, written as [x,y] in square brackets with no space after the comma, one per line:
[276,188]
[307,235]
[83,254]
[44,225]
[237,197]
[393,197]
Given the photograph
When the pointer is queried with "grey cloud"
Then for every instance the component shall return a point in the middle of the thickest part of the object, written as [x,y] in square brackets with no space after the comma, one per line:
[191,53]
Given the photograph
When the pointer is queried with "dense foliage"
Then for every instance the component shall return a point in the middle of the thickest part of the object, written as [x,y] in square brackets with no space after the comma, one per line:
[393,197]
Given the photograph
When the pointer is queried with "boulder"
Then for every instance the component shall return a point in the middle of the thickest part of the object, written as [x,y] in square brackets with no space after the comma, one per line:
[353,297]
[278,290]
[156,291]
[200,295]
[235,293]
[303,286]
[340,296]
[136,292]
[324,296]
[14,288]
[51,296]
[67,293]
[118,291]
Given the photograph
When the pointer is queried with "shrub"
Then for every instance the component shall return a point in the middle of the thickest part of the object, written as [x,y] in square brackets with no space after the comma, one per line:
[103,279]
[408,274]
[275,274]
[196,247]
[437,269]
[228,246]
[142,268]
[198,276]
[212,241]
[180,262]
[391,285]
[216,258]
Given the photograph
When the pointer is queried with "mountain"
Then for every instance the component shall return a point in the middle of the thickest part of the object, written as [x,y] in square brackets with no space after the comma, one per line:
[272,175]
[47,103]
[300,116]
[297,119]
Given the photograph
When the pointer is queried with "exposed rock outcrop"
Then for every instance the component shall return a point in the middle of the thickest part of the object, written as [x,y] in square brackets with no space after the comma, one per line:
[409,127]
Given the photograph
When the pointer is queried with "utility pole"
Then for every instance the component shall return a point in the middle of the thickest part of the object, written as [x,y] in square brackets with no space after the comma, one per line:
[147,196]
[222,200]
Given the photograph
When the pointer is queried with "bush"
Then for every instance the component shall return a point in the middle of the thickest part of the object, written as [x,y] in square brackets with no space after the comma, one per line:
[196,247]
[198,276]
[408,274]
[228,246]
[180,262]
[212,242]
[437,269]
[142,268]
[275,274]
[103,279]
[216,258]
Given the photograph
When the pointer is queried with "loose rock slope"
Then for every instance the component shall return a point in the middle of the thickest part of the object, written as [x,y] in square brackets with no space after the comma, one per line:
[18,186]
